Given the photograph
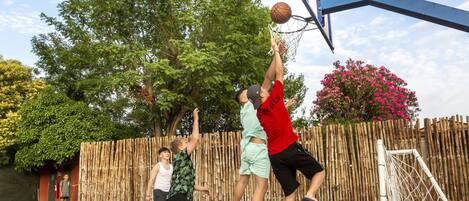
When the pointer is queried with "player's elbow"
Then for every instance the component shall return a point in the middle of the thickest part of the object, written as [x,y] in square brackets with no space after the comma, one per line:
[279,76]
[195,138]
[268,77]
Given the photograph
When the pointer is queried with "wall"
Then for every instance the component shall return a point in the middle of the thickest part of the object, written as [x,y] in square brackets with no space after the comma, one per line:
[17,186]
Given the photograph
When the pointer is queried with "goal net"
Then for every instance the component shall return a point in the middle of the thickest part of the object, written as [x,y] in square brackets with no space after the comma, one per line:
[404,176]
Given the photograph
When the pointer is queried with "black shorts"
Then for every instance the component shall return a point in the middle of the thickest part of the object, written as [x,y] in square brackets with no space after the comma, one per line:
[178,197]
[285,164]
[159,195]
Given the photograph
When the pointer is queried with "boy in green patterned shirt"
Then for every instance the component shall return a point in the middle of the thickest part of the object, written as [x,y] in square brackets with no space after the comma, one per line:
[183,179]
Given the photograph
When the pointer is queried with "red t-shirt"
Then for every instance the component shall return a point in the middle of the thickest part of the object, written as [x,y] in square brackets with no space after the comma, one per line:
[274,117]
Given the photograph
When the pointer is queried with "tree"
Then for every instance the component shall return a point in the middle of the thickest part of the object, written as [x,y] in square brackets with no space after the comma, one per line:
[304,120]
[147,63]
[363,92]
[52,127]
[16,87]
[295,88]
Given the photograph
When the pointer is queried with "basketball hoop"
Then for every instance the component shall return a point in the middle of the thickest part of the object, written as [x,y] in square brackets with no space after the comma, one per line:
[290,33]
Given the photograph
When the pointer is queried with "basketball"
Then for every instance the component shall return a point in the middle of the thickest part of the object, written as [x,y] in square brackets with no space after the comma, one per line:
[280,13]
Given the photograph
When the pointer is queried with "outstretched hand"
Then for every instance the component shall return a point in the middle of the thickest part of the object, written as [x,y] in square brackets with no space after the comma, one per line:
[196,113]
[282,48]
[291,102]
[274,45]
[205,190]
[279,46]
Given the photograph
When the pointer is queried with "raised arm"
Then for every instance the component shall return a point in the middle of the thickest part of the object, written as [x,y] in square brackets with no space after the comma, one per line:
[201,188]
[151,182]
[278,61]
[269,75]
[192,144]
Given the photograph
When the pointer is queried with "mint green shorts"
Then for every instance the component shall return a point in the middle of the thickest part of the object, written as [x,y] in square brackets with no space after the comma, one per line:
[255,160]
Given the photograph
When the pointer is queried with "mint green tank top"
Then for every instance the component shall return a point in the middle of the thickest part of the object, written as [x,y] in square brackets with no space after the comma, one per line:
[251,125]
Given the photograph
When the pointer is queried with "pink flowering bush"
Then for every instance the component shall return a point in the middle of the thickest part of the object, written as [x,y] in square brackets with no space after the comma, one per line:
[362,92]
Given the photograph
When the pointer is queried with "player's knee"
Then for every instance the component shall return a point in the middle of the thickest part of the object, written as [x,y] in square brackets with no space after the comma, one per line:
[262,183]
[320,175]
[264,186]
[243,180]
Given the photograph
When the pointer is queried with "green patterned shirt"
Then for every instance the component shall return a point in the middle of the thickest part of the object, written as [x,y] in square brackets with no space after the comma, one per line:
[183,179]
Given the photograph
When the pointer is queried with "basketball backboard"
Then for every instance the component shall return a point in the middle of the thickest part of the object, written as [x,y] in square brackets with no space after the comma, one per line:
[323,22]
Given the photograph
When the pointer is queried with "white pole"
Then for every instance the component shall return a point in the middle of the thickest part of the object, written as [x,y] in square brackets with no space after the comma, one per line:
[381,170]
[400,152]
[429,175]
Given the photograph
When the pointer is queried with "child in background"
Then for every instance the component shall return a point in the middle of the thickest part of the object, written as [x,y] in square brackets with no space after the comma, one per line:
[160,177]
[65,188]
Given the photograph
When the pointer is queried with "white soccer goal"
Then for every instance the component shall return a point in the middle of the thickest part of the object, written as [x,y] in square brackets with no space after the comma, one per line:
[403,176]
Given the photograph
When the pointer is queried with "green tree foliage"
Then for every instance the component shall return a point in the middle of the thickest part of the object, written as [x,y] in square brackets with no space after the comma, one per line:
[305,119]
[52,127]
[146,63]
[295,88]
[16,87]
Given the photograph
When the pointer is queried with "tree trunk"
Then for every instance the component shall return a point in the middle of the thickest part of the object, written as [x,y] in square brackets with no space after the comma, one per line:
[174,122]
[157,127]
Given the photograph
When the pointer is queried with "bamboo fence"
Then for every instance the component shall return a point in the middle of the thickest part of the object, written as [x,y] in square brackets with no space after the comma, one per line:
[120,170]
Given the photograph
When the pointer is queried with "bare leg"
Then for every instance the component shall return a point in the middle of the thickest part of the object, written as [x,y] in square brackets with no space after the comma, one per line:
[316,182]
[260,189]
[291,197]
[240,186]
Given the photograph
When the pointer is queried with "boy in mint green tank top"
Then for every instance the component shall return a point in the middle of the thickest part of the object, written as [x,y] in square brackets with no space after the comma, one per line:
[254,156]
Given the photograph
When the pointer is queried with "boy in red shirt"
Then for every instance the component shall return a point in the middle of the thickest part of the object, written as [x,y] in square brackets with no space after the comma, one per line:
[285,154]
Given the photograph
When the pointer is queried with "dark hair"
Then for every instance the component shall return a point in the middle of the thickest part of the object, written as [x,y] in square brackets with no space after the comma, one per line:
[163,149]
[175,145]
[238,93]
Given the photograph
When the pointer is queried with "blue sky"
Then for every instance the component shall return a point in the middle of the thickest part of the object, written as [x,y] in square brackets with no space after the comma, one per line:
[433,59]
